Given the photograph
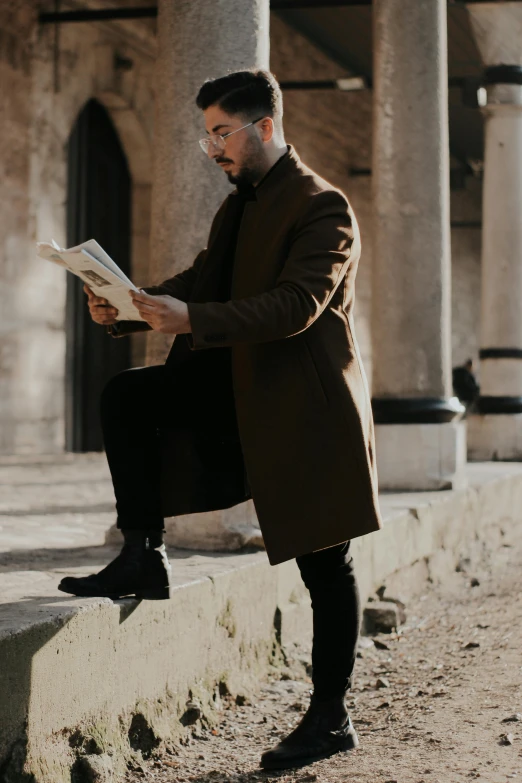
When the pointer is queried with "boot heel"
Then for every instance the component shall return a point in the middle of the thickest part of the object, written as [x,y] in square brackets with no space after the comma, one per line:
[350,742]
[155,593]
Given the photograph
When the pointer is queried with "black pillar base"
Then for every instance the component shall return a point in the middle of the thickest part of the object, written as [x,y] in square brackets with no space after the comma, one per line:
[416,410]
[498,405]
[503,74]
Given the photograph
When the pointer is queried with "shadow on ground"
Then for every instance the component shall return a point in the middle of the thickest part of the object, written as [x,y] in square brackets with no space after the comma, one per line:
[50,559]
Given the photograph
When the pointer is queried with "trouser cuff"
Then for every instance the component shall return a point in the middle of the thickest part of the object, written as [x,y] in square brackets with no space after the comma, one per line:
[152,524]
[326,692]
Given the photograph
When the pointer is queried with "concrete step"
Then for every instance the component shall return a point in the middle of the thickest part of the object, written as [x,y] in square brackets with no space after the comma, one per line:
[58,501]
[71,483]
[85,668]
[68,500]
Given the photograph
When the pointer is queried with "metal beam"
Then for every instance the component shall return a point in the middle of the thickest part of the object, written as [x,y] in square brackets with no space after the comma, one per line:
[469,86]
[298,5]
[97,15]
[348,84]
[150,12]
[354,83]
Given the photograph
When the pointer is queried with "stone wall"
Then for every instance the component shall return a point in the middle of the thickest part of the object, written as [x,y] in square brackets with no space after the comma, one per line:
[21,338]
[113,63]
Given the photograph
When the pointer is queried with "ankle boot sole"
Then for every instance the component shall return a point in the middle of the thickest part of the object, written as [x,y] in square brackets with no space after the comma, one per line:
[157,594]
[79,593]
[351,742]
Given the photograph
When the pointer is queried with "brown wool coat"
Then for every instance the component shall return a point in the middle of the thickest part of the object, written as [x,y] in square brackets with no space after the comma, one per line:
[301,396]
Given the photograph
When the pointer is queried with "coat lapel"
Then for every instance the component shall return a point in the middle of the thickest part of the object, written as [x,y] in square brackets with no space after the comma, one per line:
[208,284]
[247,236]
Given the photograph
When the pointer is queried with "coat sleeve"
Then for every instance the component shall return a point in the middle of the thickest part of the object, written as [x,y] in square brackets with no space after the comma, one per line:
[180,287]
[317,262]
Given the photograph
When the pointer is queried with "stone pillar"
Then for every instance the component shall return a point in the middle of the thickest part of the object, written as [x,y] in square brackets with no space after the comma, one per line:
[196,41]
[495,432]
[420,440]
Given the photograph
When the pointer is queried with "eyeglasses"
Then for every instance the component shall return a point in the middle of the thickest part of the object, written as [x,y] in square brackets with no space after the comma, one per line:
[218,142]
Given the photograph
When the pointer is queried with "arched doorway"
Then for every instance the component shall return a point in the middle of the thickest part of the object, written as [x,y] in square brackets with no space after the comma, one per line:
[99,207]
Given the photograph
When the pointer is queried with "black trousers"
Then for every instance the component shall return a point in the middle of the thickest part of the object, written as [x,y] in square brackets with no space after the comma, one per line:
[134,405]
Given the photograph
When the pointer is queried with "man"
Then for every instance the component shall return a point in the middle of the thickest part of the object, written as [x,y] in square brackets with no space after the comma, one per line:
[263,394]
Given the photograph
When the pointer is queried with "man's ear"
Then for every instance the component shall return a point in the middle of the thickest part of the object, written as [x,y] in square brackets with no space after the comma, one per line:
[267,129]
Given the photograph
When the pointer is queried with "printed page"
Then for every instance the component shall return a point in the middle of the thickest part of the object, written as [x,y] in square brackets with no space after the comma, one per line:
[97,252]
[100,279]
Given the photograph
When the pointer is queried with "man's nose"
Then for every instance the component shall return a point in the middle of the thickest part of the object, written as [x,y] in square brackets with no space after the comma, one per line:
[213,152]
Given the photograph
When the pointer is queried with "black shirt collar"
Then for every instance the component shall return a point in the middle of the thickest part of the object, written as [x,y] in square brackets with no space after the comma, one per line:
[276,164]
[248,191]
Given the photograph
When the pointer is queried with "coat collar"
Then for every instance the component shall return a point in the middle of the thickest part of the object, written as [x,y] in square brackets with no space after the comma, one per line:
[277,175]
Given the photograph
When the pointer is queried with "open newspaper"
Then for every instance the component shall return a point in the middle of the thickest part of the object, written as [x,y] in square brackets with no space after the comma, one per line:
[94,266]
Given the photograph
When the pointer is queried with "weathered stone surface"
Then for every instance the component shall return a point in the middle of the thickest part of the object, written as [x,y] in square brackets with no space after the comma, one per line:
[96,769]
[495,437]
[412,344]
[57,502]
[411,201]
[228,530]
[40,103]
[497,30]
[421,456]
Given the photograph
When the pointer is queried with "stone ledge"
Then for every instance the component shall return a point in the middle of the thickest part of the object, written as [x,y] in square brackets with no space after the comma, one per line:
[76,671]
[91,665]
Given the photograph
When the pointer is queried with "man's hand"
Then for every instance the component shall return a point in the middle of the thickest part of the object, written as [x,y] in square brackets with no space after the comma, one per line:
[163,313]
[101,311]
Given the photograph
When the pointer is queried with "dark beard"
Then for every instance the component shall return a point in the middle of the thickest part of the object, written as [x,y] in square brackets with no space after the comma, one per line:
[244,179]
[250,171]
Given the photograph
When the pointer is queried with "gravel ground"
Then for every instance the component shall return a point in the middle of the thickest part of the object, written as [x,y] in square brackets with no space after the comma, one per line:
[440,701]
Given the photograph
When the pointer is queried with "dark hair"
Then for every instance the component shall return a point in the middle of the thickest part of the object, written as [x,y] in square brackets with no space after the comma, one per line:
[247,93]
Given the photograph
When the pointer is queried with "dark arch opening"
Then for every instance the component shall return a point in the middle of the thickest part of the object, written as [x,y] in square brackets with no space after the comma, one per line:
[98,207]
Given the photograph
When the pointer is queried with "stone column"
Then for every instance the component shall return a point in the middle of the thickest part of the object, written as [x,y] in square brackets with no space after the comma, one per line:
[197,40]
[420,440]
[495,432]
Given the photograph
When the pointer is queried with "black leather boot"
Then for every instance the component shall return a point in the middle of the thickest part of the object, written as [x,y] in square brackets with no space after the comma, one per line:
[141,569]
[325,729]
